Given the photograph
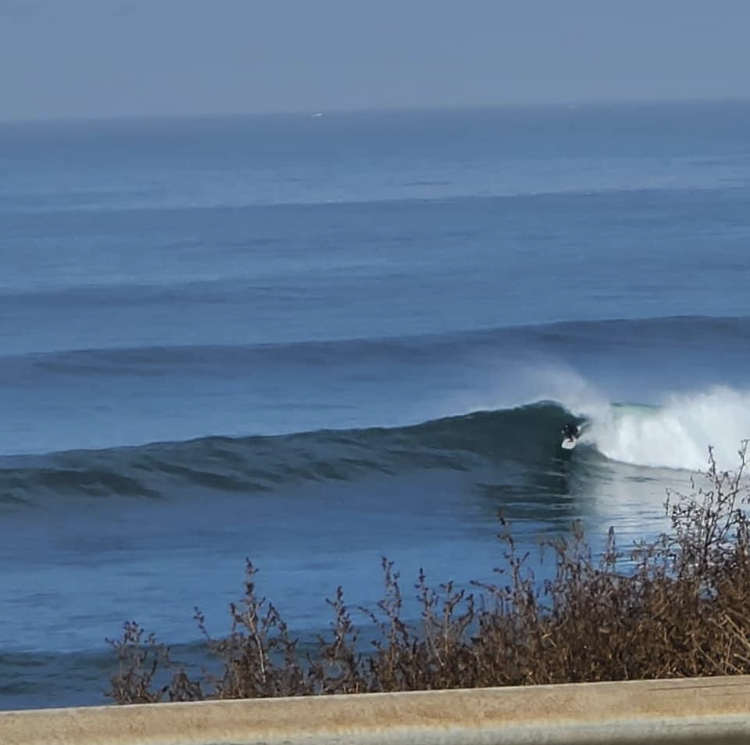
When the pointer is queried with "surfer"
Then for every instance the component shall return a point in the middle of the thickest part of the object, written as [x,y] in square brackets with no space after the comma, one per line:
[570,431]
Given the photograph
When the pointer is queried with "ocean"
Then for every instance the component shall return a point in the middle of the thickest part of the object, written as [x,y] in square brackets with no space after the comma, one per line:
[316,340]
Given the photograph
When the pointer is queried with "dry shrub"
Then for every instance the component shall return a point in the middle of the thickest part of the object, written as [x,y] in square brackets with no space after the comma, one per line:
[678,606]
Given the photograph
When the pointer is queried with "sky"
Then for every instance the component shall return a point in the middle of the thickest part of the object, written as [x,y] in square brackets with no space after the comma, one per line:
[109,58]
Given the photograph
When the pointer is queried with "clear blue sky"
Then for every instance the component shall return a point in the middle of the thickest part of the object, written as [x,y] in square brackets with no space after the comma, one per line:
[88,58]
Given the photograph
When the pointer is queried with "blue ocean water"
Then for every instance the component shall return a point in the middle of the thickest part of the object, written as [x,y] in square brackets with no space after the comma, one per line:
[317,340]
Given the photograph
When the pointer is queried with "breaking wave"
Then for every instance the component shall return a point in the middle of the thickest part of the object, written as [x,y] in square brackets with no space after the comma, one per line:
[674,435]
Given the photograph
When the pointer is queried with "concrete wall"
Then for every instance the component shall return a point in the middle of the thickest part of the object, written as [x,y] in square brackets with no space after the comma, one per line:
[713,710]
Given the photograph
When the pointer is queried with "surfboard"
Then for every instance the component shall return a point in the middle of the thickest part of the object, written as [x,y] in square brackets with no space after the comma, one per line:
[569,443]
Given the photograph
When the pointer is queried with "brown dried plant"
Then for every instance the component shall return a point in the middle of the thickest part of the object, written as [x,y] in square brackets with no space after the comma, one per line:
[674,607]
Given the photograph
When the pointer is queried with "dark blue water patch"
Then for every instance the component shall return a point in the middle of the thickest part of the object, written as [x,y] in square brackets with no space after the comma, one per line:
[44,680]
[48,680]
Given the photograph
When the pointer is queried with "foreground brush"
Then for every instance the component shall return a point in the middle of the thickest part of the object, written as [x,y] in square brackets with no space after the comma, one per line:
[678,606]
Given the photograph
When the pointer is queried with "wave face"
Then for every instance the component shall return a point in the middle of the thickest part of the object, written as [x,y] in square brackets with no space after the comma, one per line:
[675,435]
[256,464]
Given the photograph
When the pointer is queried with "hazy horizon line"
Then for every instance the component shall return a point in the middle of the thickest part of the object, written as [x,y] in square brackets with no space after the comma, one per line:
[195,116]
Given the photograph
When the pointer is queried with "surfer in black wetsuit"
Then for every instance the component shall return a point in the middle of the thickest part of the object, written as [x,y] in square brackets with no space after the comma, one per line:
[570,432]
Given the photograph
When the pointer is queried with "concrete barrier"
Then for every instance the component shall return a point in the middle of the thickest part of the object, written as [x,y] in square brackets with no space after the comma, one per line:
[709,710]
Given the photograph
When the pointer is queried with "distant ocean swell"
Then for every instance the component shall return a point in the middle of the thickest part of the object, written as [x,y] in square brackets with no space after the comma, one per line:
[561,337]
[675,435]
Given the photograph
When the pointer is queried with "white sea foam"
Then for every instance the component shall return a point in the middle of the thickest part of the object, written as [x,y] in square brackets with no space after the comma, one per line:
[676,434]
